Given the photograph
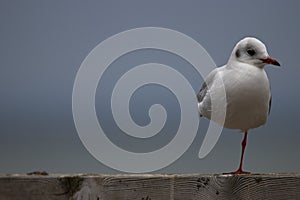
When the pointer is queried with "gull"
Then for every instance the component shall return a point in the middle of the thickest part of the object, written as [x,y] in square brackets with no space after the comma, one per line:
[247,90]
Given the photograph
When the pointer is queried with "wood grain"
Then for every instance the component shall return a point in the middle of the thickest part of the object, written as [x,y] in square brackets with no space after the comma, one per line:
[150,187]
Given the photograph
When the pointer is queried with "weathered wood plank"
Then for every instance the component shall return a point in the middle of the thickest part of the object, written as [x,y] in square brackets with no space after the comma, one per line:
[150,187]
[267,186]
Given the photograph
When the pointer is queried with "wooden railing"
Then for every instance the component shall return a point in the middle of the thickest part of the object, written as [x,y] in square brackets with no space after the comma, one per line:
[149,187]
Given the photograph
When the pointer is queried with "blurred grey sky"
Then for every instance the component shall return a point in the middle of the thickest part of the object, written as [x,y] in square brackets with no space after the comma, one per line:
[43,43]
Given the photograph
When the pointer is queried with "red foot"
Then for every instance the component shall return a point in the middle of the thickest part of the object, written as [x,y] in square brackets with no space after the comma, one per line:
[239,171]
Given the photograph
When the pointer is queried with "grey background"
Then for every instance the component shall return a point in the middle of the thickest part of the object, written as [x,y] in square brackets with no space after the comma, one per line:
[42,44]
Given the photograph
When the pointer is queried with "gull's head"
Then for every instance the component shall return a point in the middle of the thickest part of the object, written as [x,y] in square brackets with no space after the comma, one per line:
[253,52]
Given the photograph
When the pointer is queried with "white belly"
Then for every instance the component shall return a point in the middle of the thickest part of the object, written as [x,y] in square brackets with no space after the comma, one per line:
[247,99]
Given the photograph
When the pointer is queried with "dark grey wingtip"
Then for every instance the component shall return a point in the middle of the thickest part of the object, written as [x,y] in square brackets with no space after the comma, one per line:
[202,92]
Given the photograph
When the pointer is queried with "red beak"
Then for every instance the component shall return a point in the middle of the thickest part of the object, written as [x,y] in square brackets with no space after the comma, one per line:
[270,60]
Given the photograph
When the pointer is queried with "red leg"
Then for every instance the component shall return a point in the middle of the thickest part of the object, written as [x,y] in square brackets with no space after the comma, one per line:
[240,169]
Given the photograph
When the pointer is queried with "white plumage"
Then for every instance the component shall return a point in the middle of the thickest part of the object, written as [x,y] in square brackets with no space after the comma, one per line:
[247,88]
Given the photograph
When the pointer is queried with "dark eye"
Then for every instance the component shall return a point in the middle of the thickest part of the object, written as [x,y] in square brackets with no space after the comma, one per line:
[251,52]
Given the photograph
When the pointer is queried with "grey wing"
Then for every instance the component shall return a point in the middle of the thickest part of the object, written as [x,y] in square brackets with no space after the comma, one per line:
[270,104]
[202,92]
[204,88]
[202,95]
[270,101]
[208,81]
